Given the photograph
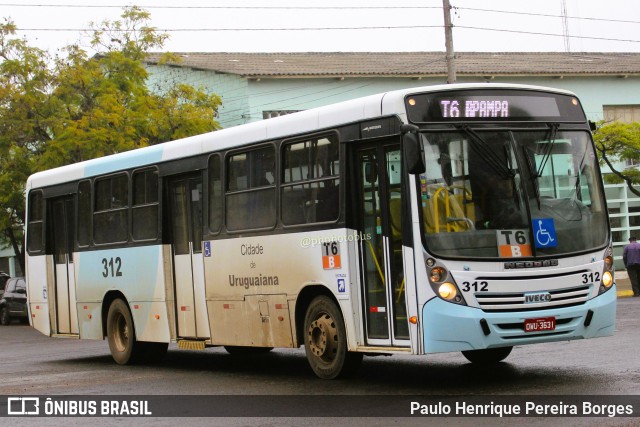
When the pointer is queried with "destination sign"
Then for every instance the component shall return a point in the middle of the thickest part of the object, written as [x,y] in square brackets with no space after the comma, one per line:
[500,105]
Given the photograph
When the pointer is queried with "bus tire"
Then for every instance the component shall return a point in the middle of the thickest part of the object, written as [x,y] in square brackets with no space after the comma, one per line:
[121,334]
[487,356]
[325,341]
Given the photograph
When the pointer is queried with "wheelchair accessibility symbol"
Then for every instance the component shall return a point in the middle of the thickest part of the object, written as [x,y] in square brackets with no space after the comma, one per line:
[544,233]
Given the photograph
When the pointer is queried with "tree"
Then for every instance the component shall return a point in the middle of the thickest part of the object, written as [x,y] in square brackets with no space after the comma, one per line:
[56,111]
[620,142]
[107,105]
[26,113]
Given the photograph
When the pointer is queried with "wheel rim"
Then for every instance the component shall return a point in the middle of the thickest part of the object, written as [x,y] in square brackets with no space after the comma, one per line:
[121,333]
[323,338]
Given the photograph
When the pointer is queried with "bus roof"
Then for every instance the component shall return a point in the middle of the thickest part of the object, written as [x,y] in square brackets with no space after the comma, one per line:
[382,104]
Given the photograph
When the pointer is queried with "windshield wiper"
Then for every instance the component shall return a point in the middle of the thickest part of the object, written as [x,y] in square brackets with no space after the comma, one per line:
[532,173]
[487,154]
[553,132]
[535,174]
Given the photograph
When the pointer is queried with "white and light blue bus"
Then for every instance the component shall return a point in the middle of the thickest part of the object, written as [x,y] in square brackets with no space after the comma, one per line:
[454,218]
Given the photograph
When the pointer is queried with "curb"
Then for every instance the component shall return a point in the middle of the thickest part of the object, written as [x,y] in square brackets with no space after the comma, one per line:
[625,293]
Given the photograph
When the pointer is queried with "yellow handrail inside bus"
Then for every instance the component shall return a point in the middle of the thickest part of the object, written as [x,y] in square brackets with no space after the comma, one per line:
[375,260]
[400,289]
[452,204]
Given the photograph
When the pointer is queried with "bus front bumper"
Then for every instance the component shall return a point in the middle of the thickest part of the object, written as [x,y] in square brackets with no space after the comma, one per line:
[450,327]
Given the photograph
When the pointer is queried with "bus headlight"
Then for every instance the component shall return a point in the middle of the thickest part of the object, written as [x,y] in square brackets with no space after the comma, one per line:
[442,283]
[607,273]
[447,291]
[607,279]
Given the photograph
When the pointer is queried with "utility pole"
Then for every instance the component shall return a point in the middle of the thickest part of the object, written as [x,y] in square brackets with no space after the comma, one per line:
[448,41]
[565,27]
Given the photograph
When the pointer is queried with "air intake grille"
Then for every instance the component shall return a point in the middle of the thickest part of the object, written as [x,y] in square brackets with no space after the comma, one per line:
[518,301]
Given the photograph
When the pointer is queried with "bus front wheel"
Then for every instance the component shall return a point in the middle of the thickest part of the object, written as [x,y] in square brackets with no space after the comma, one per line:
[325,341]
[487,356]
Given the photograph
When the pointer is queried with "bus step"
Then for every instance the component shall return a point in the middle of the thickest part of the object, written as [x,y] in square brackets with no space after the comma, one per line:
[190,345]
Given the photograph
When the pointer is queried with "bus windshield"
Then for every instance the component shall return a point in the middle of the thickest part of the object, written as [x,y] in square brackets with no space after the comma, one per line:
[511,193]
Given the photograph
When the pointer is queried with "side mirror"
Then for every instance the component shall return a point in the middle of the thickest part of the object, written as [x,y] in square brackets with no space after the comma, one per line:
[370,172]
[412,149]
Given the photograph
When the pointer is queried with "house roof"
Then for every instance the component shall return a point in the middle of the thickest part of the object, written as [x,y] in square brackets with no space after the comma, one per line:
[408,64]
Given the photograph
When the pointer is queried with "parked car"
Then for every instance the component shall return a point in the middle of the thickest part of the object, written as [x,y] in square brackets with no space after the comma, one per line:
[13,304]
[3,279]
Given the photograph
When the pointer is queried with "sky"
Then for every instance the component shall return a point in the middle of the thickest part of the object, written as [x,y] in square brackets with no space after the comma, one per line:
[345,25]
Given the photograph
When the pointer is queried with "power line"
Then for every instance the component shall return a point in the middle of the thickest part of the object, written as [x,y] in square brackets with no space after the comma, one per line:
[322,28]
[546,15]
[262,8]
[169,30]
[94,6]
[386,27]
[536,33]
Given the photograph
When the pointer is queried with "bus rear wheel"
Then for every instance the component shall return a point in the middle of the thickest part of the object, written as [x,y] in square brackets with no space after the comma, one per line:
[325,341]
[125,349]
[487,356]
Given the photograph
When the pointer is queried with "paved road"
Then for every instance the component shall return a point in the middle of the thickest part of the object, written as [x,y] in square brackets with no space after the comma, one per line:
[33,364]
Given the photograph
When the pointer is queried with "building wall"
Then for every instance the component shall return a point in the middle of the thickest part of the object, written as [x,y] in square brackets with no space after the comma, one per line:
[231,88]
[247,100]
[301,94]
[244,100]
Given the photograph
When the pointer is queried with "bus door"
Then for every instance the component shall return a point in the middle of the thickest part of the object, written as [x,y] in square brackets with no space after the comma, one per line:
[62,214]
[185,218]
[379,207]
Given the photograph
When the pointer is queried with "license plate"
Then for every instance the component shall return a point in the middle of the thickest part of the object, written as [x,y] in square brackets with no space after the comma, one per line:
[540,324]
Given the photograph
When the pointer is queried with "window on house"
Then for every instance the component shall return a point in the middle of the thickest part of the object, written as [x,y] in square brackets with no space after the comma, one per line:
[622,113]
[276,113]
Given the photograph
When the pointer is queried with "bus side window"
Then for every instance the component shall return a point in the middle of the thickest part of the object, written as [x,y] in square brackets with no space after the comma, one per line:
[84,213]
[310,182]
[36,222]
[144,213]
[250,195]
[215,194]
[110,217]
